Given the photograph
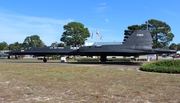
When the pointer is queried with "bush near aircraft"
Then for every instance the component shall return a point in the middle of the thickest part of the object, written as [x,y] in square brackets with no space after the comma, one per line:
[109,59]
[98,59]
[164,66]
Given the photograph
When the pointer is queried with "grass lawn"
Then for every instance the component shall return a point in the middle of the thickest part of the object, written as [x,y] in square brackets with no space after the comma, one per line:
[32,83]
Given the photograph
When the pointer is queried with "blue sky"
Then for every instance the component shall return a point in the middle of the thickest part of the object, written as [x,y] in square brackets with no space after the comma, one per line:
[46,18]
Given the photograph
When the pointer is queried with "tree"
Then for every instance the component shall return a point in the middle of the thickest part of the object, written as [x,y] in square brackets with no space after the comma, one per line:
[135,27]
[178,46]
[3,46]
[161,33]
[61,45]
[56,44]
[15,46]
[33,41]
[173,46]
[75,34]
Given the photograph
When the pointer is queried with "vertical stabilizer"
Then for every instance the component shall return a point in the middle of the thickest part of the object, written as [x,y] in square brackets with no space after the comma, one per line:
[139,38]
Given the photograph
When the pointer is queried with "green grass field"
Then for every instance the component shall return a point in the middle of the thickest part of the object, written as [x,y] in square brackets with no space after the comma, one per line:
[43,83]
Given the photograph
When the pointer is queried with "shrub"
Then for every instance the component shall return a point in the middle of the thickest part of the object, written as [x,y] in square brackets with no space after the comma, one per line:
[119,59]
[164,66]
[138,59]
[51,58]
[98,59]
[54,58]
[87,59]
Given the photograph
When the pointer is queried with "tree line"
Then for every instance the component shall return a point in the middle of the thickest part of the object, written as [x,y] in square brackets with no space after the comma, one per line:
[75,34]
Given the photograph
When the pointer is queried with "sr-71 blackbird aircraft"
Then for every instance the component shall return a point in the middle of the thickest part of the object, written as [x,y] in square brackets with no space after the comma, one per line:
[139,43]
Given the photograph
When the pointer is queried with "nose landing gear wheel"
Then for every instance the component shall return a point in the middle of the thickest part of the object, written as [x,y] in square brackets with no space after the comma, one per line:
[44,59]
[103,59]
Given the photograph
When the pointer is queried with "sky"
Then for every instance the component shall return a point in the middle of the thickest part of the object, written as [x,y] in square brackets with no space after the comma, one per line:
[46,18]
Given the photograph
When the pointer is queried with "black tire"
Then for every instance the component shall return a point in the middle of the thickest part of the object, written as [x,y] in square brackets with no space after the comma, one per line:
[44,60]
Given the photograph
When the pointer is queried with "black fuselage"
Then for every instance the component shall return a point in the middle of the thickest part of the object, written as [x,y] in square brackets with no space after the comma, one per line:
[139,43]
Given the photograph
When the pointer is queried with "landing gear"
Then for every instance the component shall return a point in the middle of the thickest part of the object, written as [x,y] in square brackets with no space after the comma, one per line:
[44,59]
[16,57]
[9,57]
[103,59]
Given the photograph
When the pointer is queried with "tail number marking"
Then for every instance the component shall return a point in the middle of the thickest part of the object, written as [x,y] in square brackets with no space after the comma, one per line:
[140,34]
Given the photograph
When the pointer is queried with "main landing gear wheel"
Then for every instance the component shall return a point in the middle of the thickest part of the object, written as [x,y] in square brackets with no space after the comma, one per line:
[16,57]
[44,59]
[103,59]
[9,57]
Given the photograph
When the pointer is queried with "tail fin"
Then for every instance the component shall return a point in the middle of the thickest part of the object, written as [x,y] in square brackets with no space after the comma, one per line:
[139,38]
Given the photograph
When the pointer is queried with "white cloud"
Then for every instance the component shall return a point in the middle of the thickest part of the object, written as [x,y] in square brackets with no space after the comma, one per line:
[15,27]
[102,7]
[107,20]
[171,13]
[103,4]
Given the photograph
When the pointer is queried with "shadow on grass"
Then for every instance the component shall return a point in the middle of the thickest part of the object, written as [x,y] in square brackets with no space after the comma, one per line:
[110,63]
[57,62]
